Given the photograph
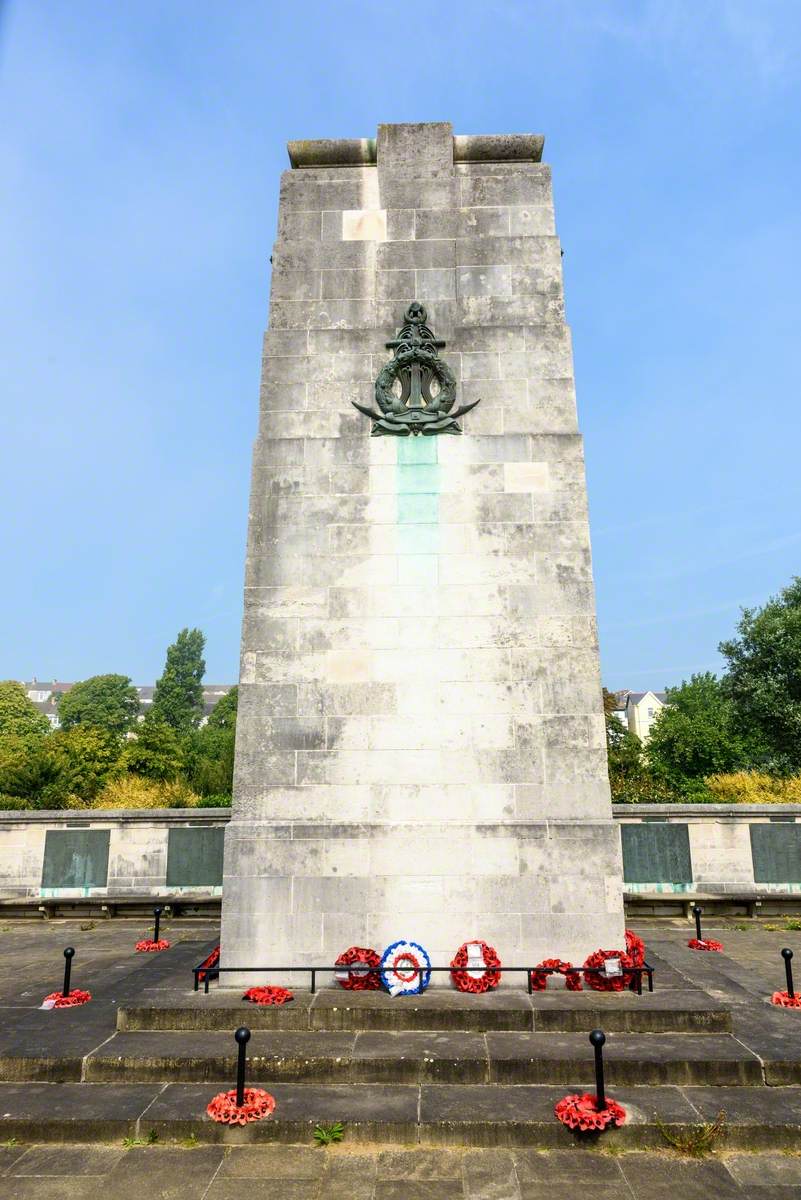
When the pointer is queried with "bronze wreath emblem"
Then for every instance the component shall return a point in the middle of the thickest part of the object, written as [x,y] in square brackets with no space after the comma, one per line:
[416,390]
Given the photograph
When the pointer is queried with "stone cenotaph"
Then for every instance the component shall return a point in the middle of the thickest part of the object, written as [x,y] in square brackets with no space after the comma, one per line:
[420,745]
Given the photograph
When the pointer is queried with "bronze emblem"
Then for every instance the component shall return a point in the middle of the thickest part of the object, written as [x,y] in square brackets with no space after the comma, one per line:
[415,391]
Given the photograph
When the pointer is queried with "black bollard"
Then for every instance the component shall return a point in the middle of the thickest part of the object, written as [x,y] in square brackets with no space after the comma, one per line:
[157,911]
[68,957]
[597,1039]
[787,955]
[697,915]
[242,1036]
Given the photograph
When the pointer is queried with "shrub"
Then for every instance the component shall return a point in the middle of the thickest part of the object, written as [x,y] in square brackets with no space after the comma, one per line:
[14,802]
[218,800]
[131,791]
[754,787]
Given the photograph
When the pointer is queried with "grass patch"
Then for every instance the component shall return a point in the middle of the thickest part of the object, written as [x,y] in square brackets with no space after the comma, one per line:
[149,1140]
[696,1140]
[791,925]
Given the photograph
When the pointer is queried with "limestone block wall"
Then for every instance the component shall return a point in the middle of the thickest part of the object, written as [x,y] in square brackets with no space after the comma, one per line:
[718,838]
[420,746]
[48,854]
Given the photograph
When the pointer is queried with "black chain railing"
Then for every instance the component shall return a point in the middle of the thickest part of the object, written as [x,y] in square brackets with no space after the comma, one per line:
[203,973]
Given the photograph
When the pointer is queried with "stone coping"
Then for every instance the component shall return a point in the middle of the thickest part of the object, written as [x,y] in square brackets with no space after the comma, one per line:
[215,816]
[75,817]
[712,812]
[362,152]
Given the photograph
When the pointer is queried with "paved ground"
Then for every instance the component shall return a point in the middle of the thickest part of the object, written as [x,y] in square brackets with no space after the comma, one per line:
[33,964]
[295,1172]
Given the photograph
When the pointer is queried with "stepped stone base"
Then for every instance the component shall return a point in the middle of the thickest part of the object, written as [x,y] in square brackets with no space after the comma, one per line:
[405,1114]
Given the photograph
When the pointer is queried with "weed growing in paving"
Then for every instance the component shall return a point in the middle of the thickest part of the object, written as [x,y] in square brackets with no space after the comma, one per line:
[695,1140]
[612,1150]
[190,1142]
[324,1135]
[791,925]
[150,1140]
[9,1145]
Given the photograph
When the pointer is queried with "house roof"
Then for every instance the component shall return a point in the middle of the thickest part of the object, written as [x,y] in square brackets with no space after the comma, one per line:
[212,692]
[636,697]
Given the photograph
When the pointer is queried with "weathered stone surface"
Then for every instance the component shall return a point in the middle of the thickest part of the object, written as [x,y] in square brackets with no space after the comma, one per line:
[425,603]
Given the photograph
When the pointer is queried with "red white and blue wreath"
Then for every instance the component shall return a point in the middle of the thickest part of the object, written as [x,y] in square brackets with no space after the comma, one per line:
[405,968]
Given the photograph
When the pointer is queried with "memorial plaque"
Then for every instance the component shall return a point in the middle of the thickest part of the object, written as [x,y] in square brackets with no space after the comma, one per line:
[656,853]
[776,851]
[194,857]
[75,858]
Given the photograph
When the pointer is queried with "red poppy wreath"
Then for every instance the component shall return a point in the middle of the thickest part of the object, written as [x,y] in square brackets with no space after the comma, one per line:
[475,967]
[705,944]
[257,1104]
[75,998]
[555,966]
[581,1112]
[268,995]
[601,982]
[351,969]
[785,1000]
[635,948]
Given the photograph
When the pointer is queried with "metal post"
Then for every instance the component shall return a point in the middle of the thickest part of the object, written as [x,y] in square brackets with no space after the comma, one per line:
[157,911]
[313,980]
[697,915]
[242,1037]
[196,974]
[597,1039]
[787,955]
[68,957]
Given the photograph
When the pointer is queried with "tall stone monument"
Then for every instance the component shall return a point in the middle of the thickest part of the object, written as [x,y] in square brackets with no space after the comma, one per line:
[420,745]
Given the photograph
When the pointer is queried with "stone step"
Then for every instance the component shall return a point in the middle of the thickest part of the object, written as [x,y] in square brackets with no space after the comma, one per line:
[668,1010]
[406,1057]
[431,1114]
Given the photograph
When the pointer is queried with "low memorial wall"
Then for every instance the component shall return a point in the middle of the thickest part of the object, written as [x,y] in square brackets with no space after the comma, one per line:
[670,852]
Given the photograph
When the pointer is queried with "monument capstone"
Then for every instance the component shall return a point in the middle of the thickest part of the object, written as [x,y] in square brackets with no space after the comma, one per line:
[420,743]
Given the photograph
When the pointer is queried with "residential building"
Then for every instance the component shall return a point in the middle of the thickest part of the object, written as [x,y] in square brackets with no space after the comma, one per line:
[641,710]
[44,694]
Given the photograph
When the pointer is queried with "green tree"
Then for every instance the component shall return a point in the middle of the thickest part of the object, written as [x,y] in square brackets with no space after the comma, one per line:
[178,696]
[695,735]
[763,681]
[630,778]
[109,702]
[155,751]
[223,715]
[86,757]
[18,714]
[30,770]
[209,754]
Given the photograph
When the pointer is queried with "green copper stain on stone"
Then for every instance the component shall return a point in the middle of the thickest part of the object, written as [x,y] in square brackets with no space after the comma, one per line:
[415,451]
[418,508]
[417,515]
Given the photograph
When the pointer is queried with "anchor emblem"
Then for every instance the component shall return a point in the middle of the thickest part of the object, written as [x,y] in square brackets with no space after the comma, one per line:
[415,391]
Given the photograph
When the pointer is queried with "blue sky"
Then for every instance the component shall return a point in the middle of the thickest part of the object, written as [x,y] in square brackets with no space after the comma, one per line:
[140,150]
